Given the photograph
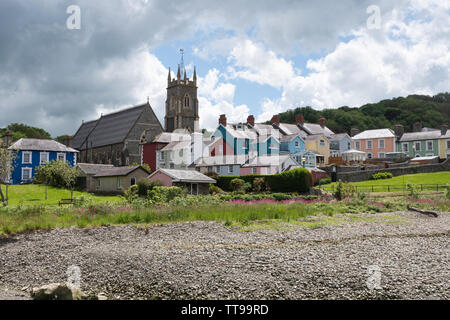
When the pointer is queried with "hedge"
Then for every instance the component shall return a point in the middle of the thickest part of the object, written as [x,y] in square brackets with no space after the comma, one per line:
[297,180]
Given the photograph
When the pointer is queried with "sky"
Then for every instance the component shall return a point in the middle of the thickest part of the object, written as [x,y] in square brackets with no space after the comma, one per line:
[260,57]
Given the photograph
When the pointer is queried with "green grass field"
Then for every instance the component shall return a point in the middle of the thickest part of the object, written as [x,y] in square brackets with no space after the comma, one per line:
[35,194]
[418,179]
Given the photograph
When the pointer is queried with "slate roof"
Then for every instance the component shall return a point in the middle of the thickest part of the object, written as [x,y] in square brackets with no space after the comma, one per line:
[222,160]
[338,136]
[108,129]
[374,134]
[185,176]
[316,128]
[93,168]
[167,137]
[117,171]
[177,145]
[314,137]
[425,135]
[40,145]
[264,161]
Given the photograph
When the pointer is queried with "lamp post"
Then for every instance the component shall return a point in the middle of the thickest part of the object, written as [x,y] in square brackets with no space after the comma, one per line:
[303,161]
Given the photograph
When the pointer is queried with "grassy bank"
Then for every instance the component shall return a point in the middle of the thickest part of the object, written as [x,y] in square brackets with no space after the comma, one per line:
[34,194]
[418,179]
[14,220]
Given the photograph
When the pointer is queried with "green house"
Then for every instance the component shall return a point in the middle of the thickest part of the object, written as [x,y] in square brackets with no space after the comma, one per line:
[419,144]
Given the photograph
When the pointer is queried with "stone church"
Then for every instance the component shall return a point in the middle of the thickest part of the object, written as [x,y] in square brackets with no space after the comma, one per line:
[117,138]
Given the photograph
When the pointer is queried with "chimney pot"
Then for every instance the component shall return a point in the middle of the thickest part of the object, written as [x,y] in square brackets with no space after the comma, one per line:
[223,120]
[322,122]
[417,127]
[276,119]
[251,120]
[444,129]
[300,119]
[354,132]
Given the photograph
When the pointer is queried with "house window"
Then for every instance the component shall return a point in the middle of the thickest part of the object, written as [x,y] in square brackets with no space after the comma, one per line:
[209,169]
[119,183]
[297,144]
[405,147]
[198,169]
[349,145]
[218,169]
[26,157]
[26,174]
[369,144]
[43,157]
[417,155]
[381,155]
[369,156]
[61,157]
[161,156]
[429,145]
[194,188]
[357,145]
[417,145]
[186,101]
[230,169]
[133,181]
[245,144]
[171,166]
[322,142]
[448,144]
[98,184]
[254,170]
[381,144]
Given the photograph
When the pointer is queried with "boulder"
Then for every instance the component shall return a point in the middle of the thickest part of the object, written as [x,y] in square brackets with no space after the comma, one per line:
[57,291]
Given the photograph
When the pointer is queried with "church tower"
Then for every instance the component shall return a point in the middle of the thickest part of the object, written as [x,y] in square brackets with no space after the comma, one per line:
[181,103]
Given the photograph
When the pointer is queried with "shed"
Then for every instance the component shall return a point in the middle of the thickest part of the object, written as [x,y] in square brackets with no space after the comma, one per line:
[194,181]
[117,179]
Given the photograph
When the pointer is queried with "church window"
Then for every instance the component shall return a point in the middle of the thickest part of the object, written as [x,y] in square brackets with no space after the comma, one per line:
[186,101]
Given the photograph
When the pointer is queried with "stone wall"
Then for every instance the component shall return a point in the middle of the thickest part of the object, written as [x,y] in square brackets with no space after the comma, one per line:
[363,175]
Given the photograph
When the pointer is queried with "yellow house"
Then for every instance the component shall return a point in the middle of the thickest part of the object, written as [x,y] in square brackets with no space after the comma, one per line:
[319,144]
[444,145]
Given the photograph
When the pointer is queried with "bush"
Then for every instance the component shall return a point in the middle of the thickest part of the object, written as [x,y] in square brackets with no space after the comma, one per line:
[413,191]
[381,175]
[322,181]
[163,194]
[145,185]
[344,190]
[259,184]
[282,196]
[237,184]
[213,189]
[57,174]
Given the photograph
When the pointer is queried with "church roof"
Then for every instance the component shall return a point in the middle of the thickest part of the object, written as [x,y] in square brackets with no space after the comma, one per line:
[109,129]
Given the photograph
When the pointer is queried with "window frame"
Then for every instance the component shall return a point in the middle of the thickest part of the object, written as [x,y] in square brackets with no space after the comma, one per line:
[40,157]
[63,154]
[367,144]
[379,144]
[131,181]
[358,145]
[381,153]
[29,170]
[30,153]
[230,169]
[407,147]
[432,145]
[418,143]
[119,183]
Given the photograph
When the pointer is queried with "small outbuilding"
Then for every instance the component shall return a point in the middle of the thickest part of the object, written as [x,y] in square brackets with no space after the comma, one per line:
[118,179]
[194,181]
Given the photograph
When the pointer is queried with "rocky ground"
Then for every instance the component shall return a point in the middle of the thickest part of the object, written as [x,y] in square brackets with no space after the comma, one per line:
[207,260]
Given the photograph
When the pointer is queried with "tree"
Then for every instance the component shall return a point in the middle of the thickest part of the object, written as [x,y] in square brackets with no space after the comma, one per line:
[6,167]
[58,174]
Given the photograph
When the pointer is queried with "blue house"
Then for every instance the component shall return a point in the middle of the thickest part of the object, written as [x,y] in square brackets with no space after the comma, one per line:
[339,143]
[31,153]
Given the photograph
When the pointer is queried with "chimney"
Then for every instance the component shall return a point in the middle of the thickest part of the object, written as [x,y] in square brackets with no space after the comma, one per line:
[399,130]
[276,120]
[417,127]
[300,119]
[68,141]
[444,129]
[223,120]
[354,132]
[322,122]
[8,139]
[251,120]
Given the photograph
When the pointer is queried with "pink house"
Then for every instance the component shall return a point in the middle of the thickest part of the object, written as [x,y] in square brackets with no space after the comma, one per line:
[375,143]
[194,181]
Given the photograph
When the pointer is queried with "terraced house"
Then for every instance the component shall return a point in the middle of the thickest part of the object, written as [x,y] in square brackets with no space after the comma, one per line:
[375,143]
[425,142]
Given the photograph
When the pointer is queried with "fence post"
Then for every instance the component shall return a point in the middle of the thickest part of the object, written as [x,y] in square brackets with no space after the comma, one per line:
[421,187]
[389,189]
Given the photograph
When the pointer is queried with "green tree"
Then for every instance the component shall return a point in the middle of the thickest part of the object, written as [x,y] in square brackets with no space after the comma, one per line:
[6,167]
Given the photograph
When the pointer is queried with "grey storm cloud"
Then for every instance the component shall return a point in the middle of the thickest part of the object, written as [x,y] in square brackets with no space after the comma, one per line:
[53,77]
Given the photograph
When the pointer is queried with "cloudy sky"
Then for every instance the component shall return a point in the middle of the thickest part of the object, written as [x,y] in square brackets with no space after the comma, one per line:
[256,57]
